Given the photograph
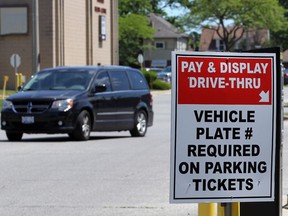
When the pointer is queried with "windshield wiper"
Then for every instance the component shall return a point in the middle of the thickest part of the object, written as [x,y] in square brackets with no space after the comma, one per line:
[58,88]
[28,89]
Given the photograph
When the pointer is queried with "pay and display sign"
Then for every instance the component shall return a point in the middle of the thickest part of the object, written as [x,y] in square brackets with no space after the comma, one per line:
[223,127]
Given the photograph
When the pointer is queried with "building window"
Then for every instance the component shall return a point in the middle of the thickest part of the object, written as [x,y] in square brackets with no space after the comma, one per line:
[159,45]
[13,20]
[220,46]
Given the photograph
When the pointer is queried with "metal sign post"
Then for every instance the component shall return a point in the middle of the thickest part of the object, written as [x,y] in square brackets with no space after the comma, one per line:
[274,207]
[227,209]
[35,37]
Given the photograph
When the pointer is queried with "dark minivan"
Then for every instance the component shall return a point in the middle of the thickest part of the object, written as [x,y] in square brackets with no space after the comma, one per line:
[78,100]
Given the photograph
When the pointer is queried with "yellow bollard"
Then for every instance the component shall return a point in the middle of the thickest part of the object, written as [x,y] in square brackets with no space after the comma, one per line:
[6,78]
[235,209]
[20,79]
[206,209]
[220,210]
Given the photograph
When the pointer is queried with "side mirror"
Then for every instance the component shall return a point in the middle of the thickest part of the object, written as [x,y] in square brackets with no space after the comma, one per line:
[100,88]
[19,88]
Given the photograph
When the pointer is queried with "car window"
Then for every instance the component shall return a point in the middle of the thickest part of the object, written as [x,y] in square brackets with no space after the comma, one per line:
[167,69]
[138,81]
[59,80]
[103,79]
[119,80]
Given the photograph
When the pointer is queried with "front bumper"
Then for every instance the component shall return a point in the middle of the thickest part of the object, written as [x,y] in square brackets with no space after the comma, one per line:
[50,122]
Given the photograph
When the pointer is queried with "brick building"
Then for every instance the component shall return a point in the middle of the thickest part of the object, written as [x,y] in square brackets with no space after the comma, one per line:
[71,32]
[251,39]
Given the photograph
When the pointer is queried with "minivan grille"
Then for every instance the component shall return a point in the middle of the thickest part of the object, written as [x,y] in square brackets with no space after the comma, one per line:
[31,106]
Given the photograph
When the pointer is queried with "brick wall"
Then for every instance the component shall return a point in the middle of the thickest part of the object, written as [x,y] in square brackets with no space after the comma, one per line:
[75,32]
[46,34]
[66,36]
[20,44]
[102,49]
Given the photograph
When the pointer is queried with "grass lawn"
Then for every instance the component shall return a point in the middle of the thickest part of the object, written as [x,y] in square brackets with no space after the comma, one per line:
[7,93]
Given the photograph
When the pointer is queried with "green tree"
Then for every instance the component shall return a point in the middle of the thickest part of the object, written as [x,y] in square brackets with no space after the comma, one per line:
[229,17]
[133,29]
[195,36]
[284,3]
[280,38]
[140,7]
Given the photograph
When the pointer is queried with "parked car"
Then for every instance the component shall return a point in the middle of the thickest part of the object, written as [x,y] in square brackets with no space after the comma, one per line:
[165,74]
[285,75]
[78,100]
[156,70]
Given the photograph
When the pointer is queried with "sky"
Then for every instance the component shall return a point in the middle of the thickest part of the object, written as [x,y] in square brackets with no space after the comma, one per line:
[181,11]
[173,11]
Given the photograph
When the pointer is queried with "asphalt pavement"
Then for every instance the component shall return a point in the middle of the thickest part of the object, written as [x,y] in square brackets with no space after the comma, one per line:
[107,175]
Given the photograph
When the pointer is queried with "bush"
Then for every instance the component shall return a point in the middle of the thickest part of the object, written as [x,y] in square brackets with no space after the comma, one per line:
[160,85]
[150,76]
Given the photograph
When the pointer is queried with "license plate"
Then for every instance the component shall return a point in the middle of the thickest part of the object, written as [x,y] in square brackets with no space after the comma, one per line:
[27,119]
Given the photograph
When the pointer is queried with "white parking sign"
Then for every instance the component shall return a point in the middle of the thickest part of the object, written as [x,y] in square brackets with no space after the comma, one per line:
[15,60]
[223,127]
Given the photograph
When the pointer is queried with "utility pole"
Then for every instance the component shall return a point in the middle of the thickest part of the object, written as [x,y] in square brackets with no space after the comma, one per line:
[35,37]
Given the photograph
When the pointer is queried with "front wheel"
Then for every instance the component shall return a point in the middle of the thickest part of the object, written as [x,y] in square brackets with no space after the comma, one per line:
[83,127]
[14,136]
[140,124]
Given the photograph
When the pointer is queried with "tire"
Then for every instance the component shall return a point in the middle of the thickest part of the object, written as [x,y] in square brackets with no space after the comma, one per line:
[140,124]
[14,136]
[83,127]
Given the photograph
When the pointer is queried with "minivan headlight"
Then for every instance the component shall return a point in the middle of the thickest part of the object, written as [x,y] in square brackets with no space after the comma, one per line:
[7,105]
[63,105]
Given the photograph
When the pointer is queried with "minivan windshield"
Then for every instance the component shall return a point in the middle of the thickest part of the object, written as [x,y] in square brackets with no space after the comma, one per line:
[59,80]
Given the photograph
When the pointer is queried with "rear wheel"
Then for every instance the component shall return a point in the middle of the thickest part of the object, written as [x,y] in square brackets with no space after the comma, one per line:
[83,127]
[14,136]
[140,124]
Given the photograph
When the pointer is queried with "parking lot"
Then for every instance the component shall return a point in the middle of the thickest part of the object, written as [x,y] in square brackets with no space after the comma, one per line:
[111,174]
